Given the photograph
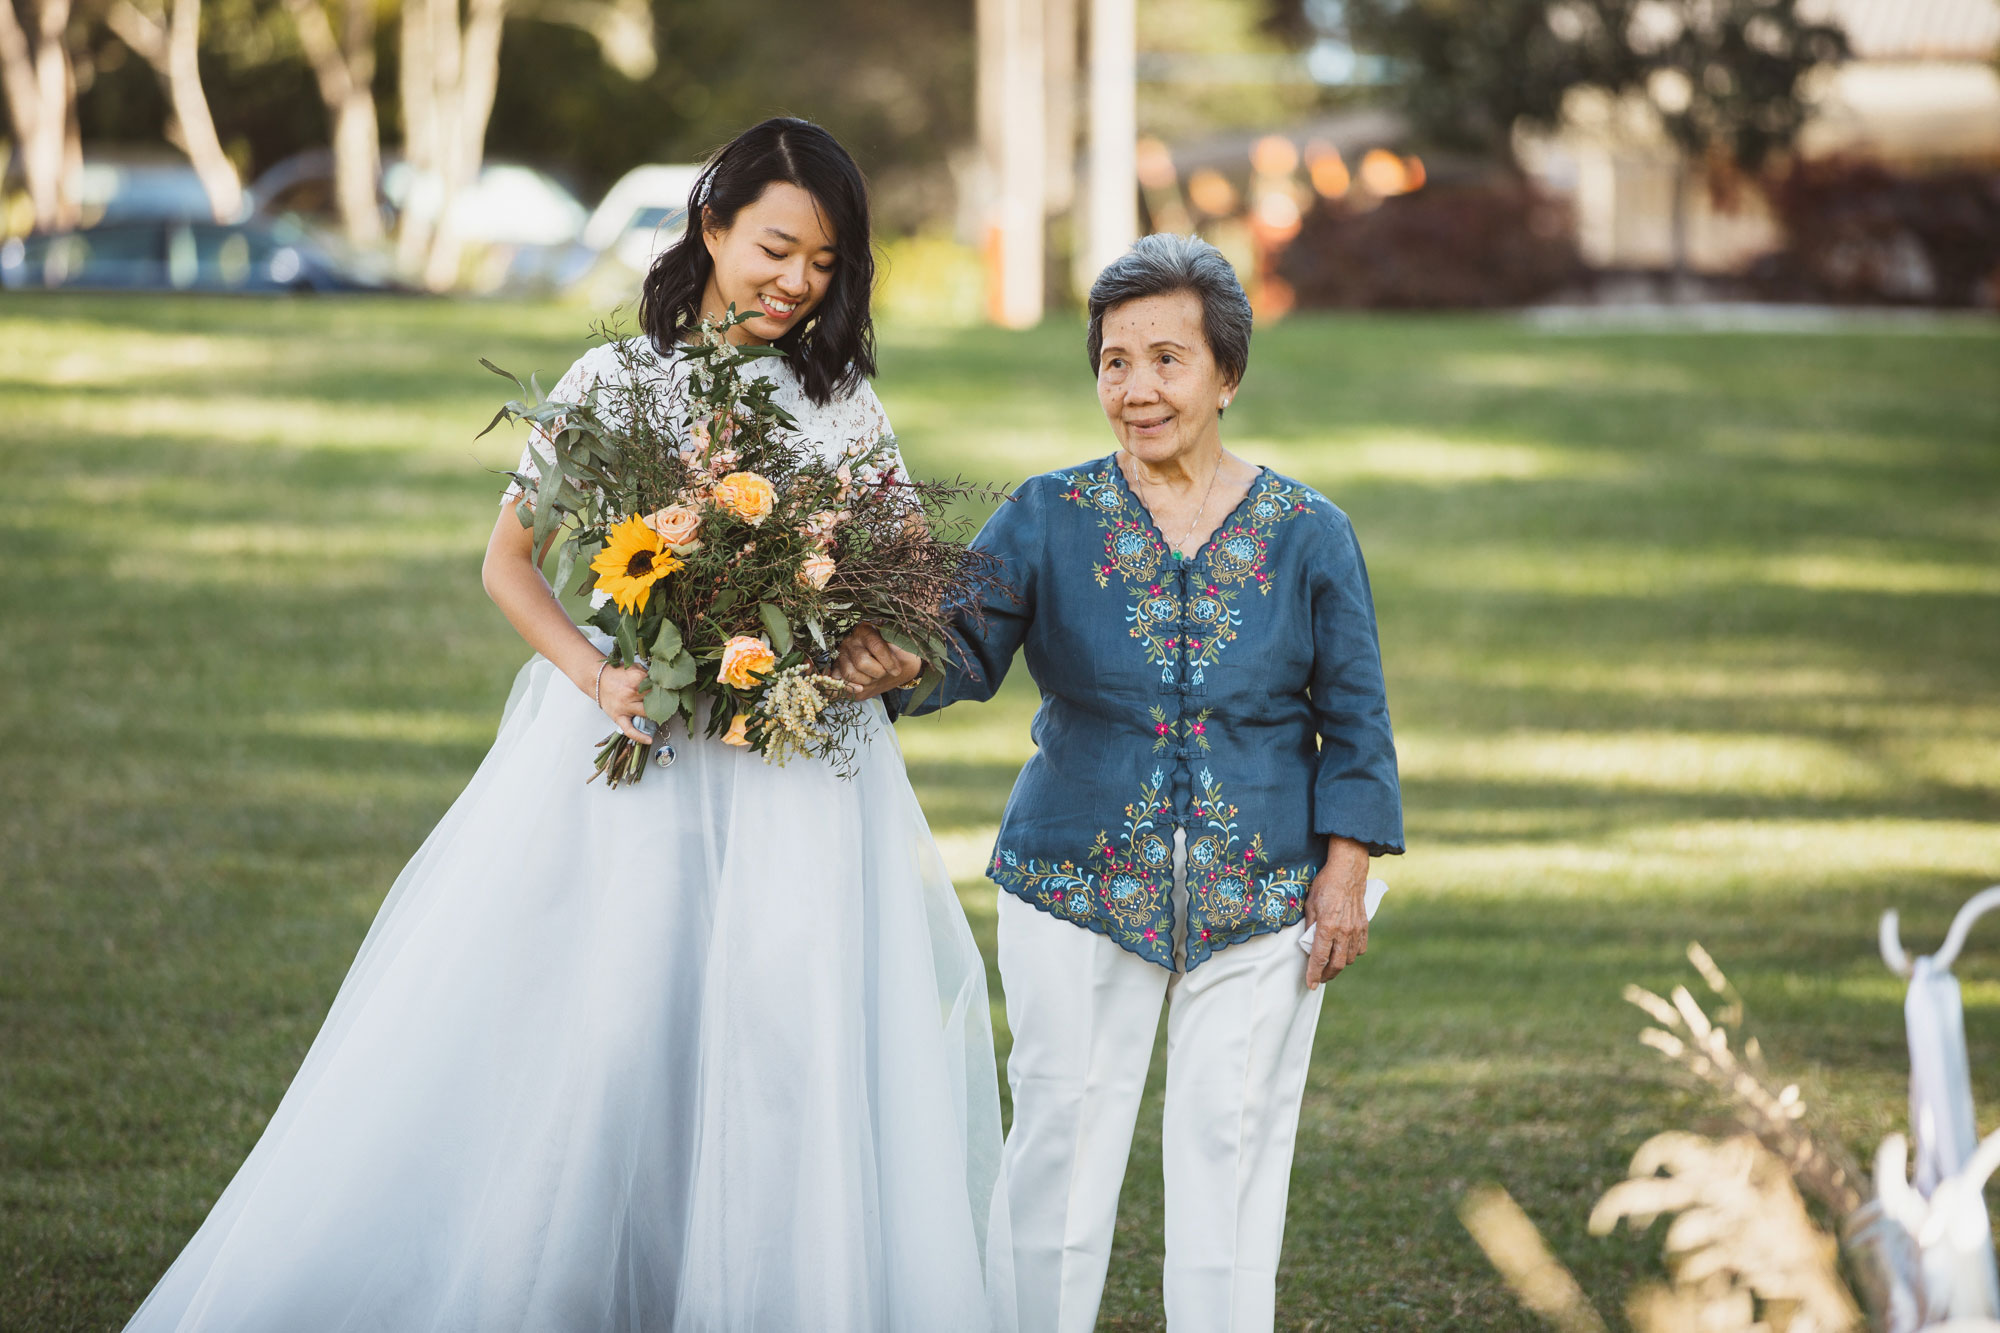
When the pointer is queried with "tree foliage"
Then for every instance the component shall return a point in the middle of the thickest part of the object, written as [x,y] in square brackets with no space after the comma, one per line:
[889,77]
[1724,75]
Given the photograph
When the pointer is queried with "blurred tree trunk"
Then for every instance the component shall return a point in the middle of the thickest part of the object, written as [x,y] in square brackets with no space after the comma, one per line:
[41,102]
[451,66]
[1012,103]
[1112,205]
[345,70]
[170,43]
[1678,230]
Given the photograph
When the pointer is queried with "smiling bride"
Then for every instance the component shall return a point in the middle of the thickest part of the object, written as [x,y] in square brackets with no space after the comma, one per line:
[571,1084]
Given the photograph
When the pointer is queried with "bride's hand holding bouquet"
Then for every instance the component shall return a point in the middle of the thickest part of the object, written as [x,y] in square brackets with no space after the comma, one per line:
[735,561]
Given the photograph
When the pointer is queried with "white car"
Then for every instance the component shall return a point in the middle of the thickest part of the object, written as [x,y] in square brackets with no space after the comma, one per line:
[509,204]
[642,214]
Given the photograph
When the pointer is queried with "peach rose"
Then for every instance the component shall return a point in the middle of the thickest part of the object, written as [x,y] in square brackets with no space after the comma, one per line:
[819,526]
[676,525]
[743,655]
[816,571]
[746,495]
[739,731]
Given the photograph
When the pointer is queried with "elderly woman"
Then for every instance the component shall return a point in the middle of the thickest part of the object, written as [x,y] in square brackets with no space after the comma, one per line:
[1215,768]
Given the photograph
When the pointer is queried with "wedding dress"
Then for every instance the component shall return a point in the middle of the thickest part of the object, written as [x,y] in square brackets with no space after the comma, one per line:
[707,1052]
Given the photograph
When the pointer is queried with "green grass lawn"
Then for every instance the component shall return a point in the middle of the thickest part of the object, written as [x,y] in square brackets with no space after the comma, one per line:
[1688,637]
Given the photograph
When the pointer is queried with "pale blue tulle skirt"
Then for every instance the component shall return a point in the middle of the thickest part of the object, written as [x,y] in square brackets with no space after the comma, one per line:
[711,1052]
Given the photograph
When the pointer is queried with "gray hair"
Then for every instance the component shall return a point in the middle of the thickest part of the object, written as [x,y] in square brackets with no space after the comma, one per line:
[1162,263]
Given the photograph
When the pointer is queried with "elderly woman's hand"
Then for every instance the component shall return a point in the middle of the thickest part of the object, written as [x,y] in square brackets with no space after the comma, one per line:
[871,665]
[1336,904]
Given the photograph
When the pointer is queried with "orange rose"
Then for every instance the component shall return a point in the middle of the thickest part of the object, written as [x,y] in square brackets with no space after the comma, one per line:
[816,571]
[743,655]
[739,731]
[746,495]
[676,525]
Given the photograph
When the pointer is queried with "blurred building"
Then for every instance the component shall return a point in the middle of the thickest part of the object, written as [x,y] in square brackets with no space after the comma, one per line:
[1921,93]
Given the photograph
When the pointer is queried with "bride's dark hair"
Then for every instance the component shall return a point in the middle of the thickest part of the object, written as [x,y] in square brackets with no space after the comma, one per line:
[833,349]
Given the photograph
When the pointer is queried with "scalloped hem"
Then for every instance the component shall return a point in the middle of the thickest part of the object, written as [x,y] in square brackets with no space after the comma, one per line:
[1095,924]
[1092,923]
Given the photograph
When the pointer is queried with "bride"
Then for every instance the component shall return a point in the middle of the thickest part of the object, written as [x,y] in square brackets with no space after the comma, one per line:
[576,1082]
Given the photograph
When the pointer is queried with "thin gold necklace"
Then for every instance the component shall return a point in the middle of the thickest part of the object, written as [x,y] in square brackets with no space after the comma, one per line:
[1199,511]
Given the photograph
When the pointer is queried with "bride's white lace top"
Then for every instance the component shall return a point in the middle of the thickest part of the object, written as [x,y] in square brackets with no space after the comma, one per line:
[850,418]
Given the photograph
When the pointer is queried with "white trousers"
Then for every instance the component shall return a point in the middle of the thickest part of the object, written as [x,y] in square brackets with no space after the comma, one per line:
[1084,1013]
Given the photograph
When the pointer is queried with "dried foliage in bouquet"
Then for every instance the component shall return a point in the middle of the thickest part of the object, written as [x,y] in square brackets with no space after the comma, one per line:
[1744,1253]
[1700,1044]
[733,555]
[1742,1249]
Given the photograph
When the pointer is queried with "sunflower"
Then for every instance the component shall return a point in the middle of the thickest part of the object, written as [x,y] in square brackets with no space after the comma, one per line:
[632,561]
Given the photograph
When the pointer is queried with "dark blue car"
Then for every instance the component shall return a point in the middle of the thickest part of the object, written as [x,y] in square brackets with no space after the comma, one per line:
[179,256]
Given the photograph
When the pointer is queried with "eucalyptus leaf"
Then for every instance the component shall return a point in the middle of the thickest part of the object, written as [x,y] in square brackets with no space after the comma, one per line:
[565,563]
[545,507]
[585,552]
[504,374]
[901,640]
[920,689]
[725,599]
[667,643]
[498,417]
[628,639]
[818,632]
[662,704]
[673,673]
[776,625]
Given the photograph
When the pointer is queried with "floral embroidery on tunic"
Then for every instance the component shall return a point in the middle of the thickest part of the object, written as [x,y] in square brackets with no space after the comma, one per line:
[1189,730]
[1126,891]
[1232,893]
[1183,632]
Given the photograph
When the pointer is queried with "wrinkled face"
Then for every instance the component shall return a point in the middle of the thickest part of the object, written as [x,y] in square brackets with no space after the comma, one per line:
[1156,379]
[775,259]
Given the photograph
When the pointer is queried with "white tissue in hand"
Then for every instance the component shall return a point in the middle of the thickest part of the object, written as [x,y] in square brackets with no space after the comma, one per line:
[1370,900]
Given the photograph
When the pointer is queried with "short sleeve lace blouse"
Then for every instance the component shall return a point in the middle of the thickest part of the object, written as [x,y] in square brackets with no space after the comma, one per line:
[850,418]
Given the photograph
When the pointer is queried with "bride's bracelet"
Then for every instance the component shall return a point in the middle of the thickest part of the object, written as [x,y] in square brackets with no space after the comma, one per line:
[597,685]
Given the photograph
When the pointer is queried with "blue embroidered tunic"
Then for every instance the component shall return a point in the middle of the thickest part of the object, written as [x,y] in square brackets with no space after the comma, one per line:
[1236,695]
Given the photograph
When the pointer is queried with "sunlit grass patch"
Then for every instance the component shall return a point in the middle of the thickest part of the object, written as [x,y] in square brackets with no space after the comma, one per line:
[1727,762]
[1342,458]
[1567,369]
[1885,572]
[1686,638]
[1694,859]
[414,726]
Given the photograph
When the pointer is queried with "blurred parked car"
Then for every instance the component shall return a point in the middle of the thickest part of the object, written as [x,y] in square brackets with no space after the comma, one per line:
[123,185]
[180,257]
[116,190]
[641,215]
[522,224]
[300,187]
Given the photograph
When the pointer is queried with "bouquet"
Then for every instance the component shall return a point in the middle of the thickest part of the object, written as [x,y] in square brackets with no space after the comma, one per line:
[734,555]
